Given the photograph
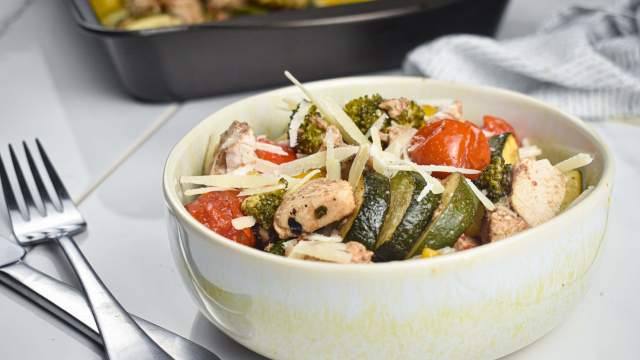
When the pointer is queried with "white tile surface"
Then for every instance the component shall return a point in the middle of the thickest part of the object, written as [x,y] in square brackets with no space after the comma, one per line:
[57,83]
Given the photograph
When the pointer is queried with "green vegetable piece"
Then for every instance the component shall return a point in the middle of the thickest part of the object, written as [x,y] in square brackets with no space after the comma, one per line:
[401,187]
[364,111]
[414,221]
[263,207]
[452,217]
[372,202]
[573,189]
[475,229]
[506,146]
[495,179]
[413,115]
[277,248]
[311,132]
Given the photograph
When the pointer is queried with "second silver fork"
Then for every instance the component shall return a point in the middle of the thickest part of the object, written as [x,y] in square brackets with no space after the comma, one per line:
[122,337]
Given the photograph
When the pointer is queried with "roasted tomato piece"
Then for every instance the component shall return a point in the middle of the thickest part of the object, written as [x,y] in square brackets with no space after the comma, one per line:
[492,126]
[453,143]
[216,210]
[276,158]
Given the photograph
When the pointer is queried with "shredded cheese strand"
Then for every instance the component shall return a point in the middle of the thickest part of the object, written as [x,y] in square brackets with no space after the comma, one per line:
[358,165]
[333,113]
[332,165]
[529,152]
[262,190]
[243,222]
[232,181]
[270,148]
[315,161]
[295,184]
[296,122]
[204,190]
[574,162]
[483,199]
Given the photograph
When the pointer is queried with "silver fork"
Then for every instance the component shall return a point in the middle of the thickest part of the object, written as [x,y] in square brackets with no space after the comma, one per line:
[121,335]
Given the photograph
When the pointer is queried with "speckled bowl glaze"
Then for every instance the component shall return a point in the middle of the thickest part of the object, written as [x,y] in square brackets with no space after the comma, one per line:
[478,304]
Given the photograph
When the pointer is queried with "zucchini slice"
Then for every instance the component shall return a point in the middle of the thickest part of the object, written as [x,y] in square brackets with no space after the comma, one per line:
[475,229]
[452,217]
[372,201]
[412,221]
[506,146]
[573,188]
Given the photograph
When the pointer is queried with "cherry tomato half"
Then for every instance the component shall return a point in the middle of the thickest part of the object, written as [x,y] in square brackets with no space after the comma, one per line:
[275,158]
[453,143]
[216,210]
[492,126]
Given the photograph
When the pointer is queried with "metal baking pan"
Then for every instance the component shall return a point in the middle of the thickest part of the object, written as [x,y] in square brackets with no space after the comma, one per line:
[250,52]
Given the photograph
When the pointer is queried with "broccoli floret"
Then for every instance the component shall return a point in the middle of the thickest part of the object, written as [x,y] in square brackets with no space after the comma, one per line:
[495,179]
[263,207]
[404,112]
[277,248]
[413,115]
[311,132]
[364,111]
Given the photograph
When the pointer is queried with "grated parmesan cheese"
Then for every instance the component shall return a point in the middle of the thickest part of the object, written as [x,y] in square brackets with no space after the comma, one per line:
[401,143]
[243,222]
[231,181]
[574,162]
[209,155]
[358,165]
[315,161]
[529,152]
[332,165]
[295,184]
[262,190]
[296,122]
[322,250]
[270,148]
[480,195]
[320,237]
[333,113]
[205,190]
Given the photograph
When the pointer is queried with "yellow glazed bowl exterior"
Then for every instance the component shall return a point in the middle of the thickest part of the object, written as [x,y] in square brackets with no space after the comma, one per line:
[482,303]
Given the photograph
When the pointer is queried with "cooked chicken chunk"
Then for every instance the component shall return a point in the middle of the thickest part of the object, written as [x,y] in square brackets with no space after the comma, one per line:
[465,242]
[501,223]
[395,107]
[314,205]
[359,253]
[537,190]
[237,149]
[138,8]
[189,11]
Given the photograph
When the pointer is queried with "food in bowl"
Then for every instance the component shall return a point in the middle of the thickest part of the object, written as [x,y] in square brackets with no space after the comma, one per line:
[148,14]
[378,179]
[503,296]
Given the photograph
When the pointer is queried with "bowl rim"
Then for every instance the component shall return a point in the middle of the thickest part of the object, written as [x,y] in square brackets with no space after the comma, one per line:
[603,185]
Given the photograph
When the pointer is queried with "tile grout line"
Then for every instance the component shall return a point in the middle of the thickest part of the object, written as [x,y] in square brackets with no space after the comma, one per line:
[14,17]
[165,116]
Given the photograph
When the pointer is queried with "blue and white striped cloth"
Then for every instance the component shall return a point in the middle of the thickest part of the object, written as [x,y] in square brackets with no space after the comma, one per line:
[585,61]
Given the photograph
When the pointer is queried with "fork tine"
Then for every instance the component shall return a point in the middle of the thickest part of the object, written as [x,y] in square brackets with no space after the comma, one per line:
[9,197]
[44,194]
[26,193]
[53,175]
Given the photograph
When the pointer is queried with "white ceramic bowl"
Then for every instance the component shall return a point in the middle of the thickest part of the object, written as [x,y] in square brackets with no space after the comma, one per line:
[481,303]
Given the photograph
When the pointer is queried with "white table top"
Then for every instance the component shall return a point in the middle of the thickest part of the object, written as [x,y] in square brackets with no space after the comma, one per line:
[57,83]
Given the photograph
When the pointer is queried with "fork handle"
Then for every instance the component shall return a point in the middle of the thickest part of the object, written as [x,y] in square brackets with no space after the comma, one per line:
[68,304]
[121,335]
